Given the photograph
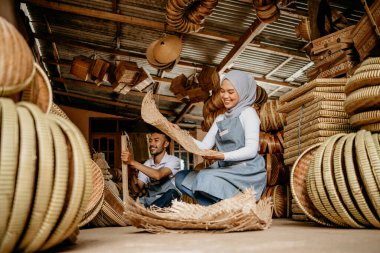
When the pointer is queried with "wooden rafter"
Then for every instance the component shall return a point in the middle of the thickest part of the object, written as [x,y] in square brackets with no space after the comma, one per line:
[255,29]
[278,67]
[144,23]
[184,111]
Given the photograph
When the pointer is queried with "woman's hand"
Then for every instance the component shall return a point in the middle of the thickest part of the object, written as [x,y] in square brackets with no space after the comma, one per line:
[218,156]
[126,157]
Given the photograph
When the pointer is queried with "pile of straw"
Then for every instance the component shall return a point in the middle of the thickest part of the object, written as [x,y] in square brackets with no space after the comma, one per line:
[240,213]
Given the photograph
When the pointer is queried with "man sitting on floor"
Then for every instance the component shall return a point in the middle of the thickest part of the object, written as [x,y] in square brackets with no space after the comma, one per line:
[158,172]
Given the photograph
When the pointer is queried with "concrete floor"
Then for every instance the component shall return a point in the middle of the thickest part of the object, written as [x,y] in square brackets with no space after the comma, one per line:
[284,236]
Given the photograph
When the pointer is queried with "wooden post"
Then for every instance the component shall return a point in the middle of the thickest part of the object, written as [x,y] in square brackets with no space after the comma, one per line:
[125,146]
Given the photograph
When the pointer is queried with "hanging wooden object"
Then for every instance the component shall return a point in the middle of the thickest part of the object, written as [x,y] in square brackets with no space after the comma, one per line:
[99,70]
[81,67]
[178,86]
[144,79]
[209,78]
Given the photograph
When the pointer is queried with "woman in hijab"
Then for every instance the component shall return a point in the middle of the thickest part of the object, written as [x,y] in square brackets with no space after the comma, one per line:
[236,135]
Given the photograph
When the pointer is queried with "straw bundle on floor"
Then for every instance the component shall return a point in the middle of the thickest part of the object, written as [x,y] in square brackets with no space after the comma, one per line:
[152,116]
[240,213]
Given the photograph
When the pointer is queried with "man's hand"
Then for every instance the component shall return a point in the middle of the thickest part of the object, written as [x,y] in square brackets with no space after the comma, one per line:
[126,157]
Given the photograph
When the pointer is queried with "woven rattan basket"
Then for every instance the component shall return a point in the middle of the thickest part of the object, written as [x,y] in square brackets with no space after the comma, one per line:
[363,99]
[18,69]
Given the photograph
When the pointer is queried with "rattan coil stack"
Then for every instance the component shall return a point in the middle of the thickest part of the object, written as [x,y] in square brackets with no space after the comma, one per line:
[266,10]
[45,178]
[187,16]
[363,96]
[333,55]
[271,147]
[336,183]
[315,112]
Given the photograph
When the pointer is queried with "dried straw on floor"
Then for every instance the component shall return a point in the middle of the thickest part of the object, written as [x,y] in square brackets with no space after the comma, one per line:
[152,116]
[240,213]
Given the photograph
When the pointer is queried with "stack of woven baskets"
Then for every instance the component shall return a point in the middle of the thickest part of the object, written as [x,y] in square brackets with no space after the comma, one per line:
[271,147]
[315,112]
[187,16]
[336,183]
[45,173]
[333,54]
[363,96]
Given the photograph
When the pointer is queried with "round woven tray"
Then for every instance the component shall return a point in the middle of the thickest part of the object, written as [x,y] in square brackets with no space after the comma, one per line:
[97,194]
[354,182]
[75,188]
[9,154]
[323,203]
[341,180]
[330,184]
[55,109]
[371,61]
[363,79]
[298,186]
[61,177]
[372,127]
[45,179]
[369,166]
[25,182]
[363,99]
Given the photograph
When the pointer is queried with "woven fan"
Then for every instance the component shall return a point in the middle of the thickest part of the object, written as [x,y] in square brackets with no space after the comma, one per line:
[152,116]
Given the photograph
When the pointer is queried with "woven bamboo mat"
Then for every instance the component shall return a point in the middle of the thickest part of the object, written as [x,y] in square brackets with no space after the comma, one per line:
[303,130]
[152,116]
[310,96]
[336,121]
[367,98]
[319,114]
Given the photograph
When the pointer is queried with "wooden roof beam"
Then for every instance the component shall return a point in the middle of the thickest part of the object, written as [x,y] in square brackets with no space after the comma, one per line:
[278,67]
[184,111]
[145,23]
[255,29]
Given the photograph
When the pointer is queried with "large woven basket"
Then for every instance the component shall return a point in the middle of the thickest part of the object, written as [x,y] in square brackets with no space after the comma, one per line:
[16,59]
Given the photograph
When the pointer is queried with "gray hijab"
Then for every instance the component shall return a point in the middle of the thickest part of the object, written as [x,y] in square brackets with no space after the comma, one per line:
[245,86]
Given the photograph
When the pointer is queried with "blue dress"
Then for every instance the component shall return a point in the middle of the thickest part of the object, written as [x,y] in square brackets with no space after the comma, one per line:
[225,179]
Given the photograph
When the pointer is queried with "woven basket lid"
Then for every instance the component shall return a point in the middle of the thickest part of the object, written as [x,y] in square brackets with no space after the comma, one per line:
[320,200]
[16,60]
[58,197]
[167,49]
[25,182]
[75,187]
[45,179]
[42,93]
[342,183]
[9,153]
[363,99]
[372,127]
[328,174]
[93,208]
[298,186]
[354,182]
[369,167]
[365,118]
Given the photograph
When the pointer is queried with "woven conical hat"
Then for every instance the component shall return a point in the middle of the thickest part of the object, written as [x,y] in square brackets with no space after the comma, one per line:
[150,56]
[167,49]
[16,60]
